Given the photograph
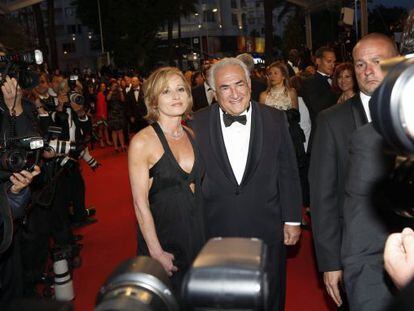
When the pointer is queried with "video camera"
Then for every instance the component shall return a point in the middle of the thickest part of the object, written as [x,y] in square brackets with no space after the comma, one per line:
[18,66]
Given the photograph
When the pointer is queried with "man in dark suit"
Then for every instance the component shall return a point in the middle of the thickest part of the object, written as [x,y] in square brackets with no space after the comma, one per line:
[365,227]
[203,95]
[251,186]
[316,90]
[329,158]
[135,107]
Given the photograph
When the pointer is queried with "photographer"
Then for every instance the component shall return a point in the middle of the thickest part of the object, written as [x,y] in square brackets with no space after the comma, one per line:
[61,184]
[17,119]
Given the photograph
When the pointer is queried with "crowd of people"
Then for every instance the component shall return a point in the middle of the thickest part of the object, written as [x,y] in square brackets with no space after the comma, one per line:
[230,151]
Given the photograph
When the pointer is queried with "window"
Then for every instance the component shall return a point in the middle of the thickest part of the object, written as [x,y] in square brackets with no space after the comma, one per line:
[69,47]
[234,19]
[242,3]
[71,29]
[70,11]
[233,4]
[244,23]
[209,16]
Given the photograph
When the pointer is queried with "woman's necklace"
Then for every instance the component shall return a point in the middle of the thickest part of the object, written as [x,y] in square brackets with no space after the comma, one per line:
[175,136]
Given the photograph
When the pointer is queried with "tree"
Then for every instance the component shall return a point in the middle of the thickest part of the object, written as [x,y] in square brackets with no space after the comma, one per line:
[130,27]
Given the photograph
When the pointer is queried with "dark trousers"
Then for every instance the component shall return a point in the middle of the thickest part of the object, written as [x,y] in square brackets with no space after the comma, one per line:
[76,189]
[11,271]
[276,271]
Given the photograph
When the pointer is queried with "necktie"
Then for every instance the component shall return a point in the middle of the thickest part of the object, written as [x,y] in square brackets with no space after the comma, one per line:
[229,119]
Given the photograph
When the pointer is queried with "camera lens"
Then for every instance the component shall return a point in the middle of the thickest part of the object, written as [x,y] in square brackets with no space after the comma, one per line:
[13,160]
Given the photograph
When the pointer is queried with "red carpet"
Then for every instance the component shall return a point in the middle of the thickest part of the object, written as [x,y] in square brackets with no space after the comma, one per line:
[113,239]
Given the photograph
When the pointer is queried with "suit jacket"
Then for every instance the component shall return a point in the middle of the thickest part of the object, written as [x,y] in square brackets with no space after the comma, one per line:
[327,171]
[366,226]
[317,95]
[199,97]
[269,193]
[136,108]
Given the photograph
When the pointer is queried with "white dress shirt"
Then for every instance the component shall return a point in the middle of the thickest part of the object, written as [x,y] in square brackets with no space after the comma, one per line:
[365,103]
[236,140]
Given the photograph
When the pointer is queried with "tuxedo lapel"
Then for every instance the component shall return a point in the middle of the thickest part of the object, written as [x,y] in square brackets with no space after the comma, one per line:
[217,144]
[358,112]
[255,144]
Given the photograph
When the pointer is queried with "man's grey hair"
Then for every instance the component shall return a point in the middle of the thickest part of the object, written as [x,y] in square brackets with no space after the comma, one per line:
[247,59]
[224,63]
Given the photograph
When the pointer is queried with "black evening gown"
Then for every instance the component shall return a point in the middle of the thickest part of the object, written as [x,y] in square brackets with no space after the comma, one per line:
[176,210]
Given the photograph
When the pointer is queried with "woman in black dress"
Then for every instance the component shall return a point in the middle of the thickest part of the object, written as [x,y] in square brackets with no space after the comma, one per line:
[165,174]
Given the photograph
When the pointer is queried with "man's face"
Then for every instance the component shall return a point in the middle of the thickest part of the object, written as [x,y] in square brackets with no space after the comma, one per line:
[135,82]
[232,89]
[367,57]
[326,63]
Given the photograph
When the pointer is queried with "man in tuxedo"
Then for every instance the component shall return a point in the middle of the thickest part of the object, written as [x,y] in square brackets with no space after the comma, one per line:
[317,92]
[135,107]
[203,95]
[329,158]
[365,224]
[251,185]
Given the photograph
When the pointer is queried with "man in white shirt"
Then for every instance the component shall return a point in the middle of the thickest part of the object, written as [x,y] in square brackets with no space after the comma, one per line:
[251,185]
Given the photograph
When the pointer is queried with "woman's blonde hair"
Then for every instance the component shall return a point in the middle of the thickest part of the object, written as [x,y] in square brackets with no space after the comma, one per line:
[285,73]
[156,84]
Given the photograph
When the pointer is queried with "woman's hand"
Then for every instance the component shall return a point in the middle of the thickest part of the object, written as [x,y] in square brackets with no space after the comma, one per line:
[166,260]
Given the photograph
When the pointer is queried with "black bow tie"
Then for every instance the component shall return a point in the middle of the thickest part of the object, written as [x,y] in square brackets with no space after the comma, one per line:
[229,119]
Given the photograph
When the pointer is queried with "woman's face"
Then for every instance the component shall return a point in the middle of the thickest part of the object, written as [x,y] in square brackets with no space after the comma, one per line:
[174,99]
[199,80]
[102,87]
[345,80]
[275,76]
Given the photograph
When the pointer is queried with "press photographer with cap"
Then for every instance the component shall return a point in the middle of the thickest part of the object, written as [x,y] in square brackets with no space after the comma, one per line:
[16,120]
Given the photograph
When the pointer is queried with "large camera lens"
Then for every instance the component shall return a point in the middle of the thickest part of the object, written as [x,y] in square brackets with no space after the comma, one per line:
[392,106]
[136,285]
[76,98]
[13,160]
[62,146]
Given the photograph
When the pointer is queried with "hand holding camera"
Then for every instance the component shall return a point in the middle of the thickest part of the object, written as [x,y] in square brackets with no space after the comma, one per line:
[23,179]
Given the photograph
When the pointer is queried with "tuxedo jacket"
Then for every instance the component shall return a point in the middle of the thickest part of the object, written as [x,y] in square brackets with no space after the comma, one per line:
[318,95]
[136,108]
[269,193]
[328,167]
[366,225]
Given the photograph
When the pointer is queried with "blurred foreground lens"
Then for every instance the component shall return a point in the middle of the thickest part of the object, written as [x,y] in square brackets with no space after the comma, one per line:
[392,106]
[138,284]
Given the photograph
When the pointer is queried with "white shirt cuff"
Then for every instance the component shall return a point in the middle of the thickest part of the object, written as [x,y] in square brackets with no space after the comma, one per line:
[292,223]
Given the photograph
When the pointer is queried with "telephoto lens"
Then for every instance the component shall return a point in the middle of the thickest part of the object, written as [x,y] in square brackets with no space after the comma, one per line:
[63,280]
[138,284]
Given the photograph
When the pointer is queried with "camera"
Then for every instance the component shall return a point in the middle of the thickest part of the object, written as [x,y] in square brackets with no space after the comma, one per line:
[20,154]
[18,66]
[393,112]
[74,96]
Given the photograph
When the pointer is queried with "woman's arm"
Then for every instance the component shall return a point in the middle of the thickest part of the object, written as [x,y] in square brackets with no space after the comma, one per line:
[138,167]
[294,98]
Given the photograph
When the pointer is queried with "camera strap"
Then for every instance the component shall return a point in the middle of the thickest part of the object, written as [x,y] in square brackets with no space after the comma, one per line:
[6,216]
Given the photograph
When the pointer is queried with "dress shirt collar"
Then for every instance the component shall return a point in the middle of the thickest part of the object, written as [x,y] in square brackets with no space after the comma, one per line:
[247,113]
[365,103]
